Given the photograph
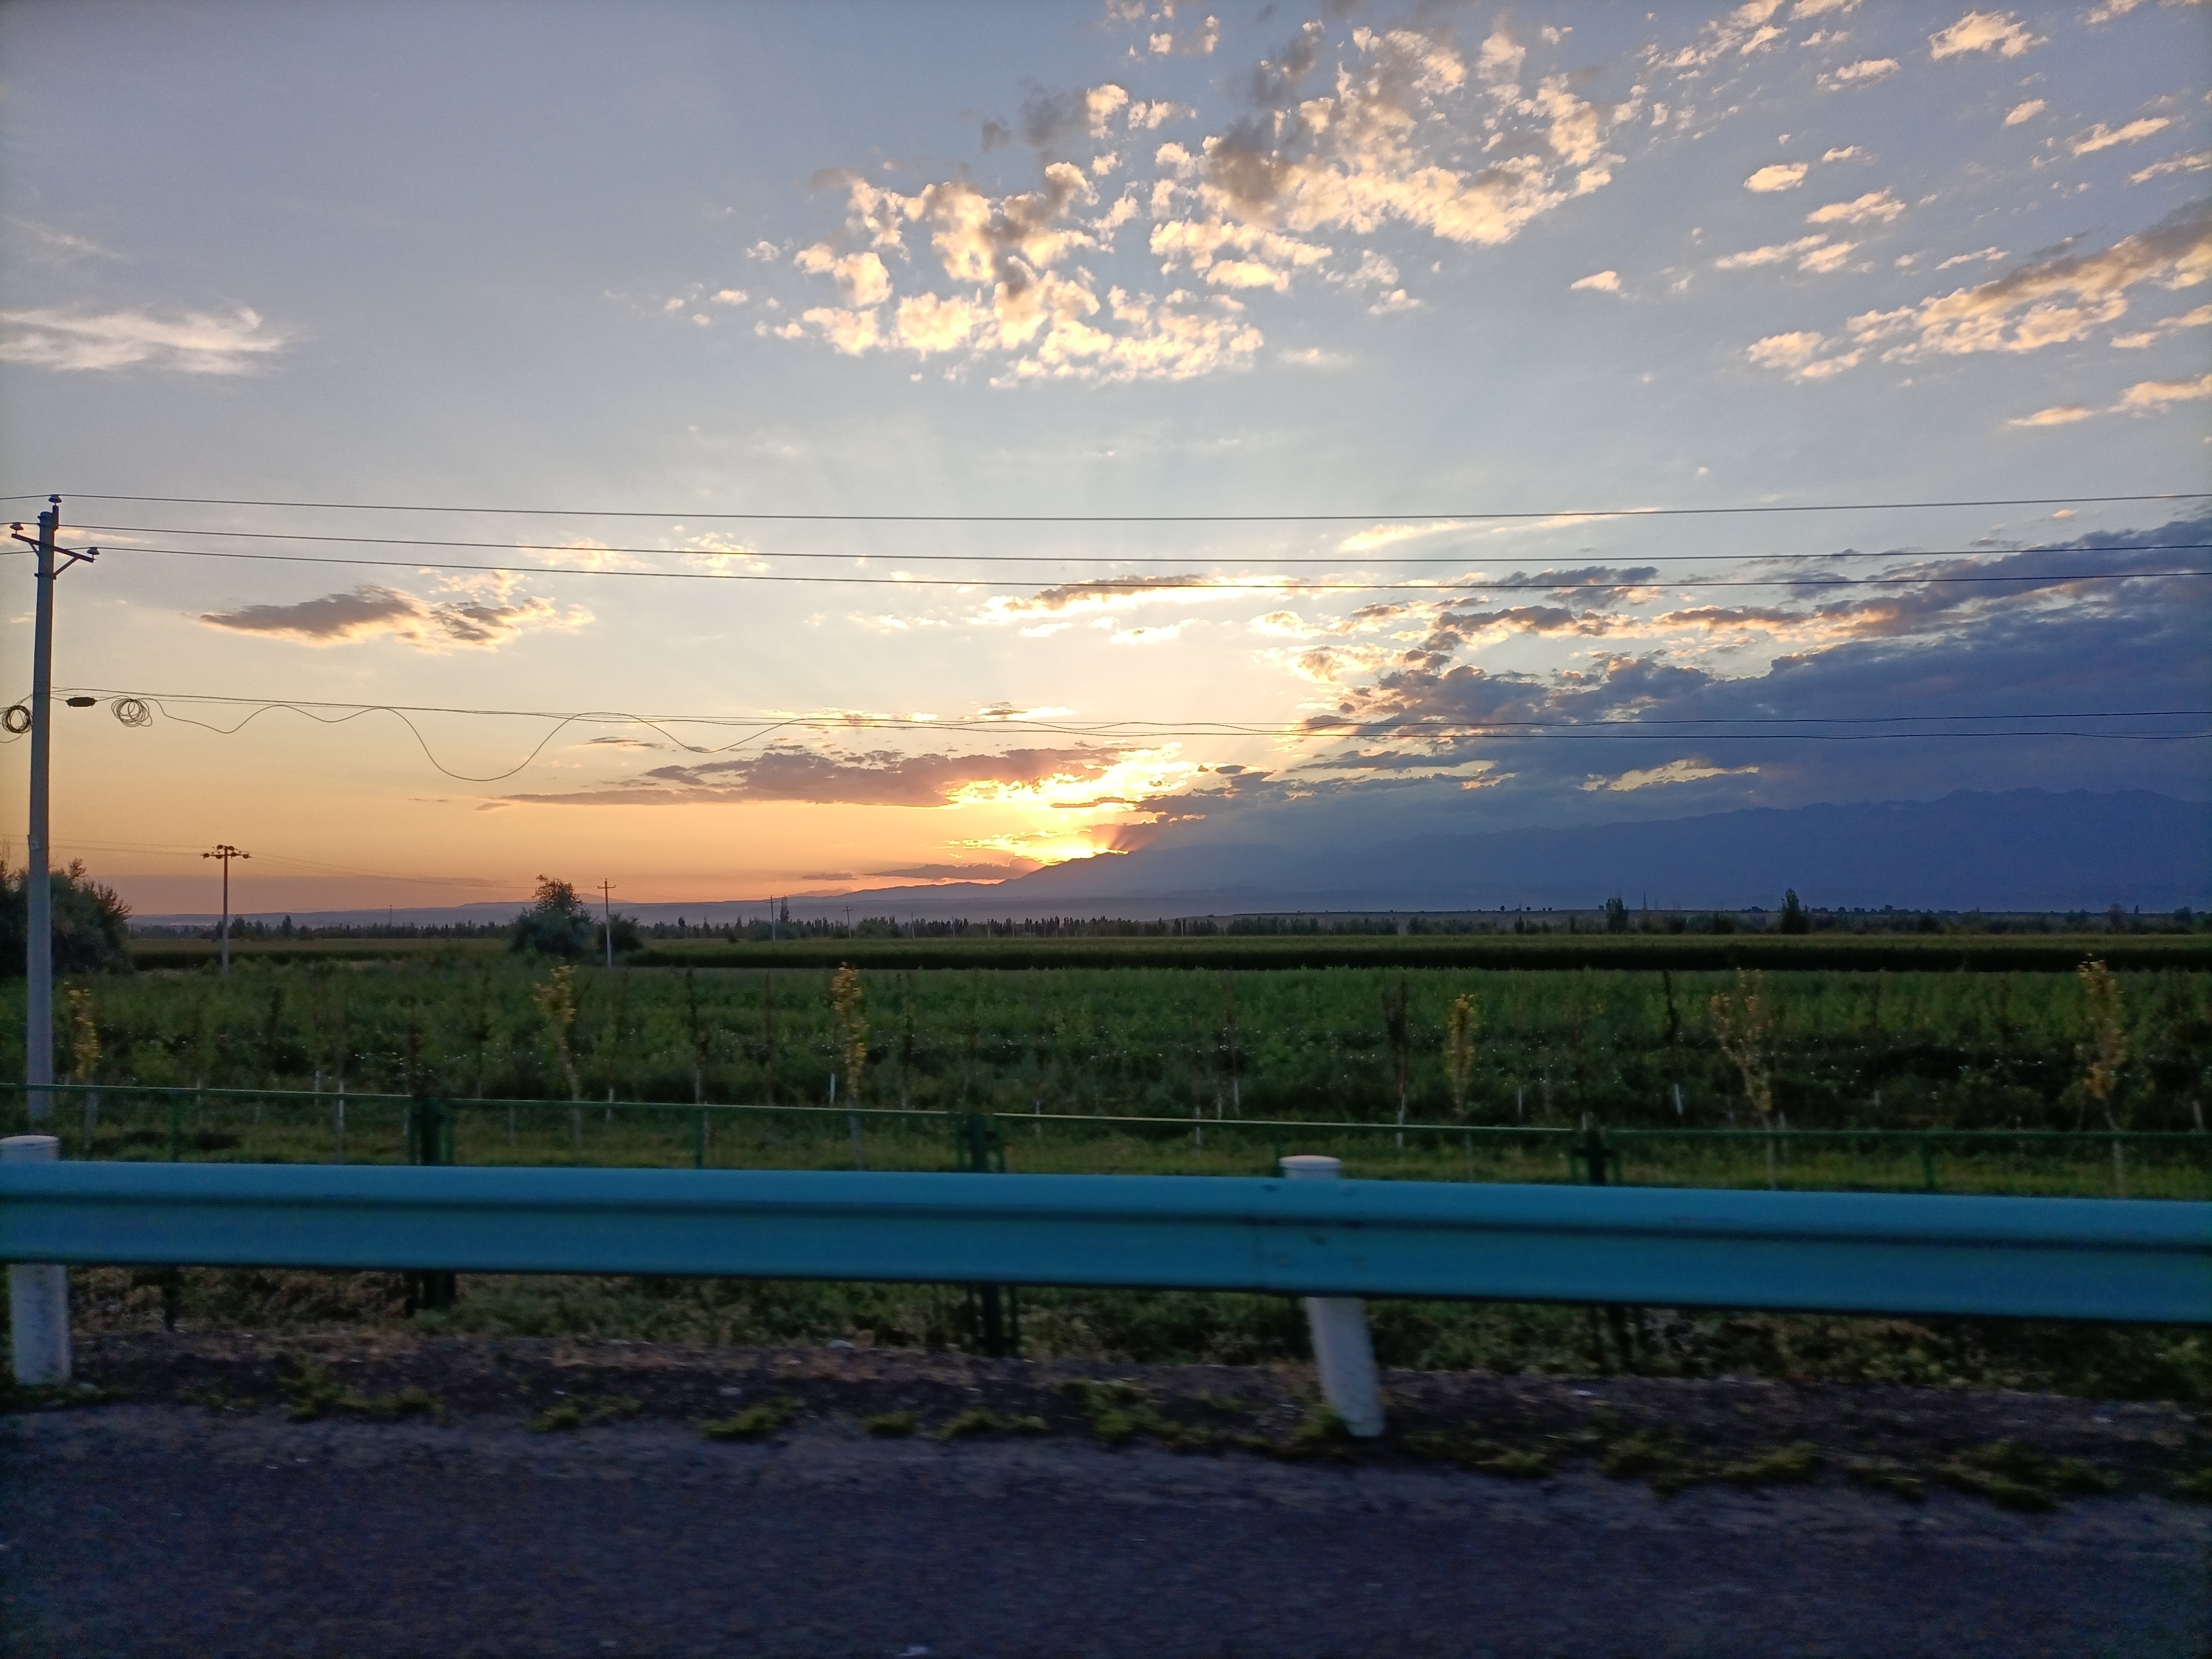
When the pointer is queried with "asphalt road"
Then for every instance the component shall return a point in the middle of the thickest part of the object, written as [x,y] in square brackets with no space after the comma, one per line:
[150,1531]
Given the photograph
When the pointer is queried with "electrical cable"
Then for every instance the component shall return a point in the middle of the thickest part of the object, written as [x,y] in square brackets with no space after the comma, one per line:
[1108,587]
[1042,558]
[1125,732]
[1140,517]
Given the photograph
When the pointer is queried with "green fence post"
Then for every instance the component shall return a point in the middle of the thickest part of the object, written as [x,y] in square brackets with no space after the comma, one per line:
[699,1137]
[431,1121]
[980,1149]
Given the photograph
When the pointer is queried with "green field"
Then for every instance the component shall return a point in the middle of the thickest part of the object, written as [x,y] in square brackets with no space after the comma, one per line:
[1194,1060]
[1188,1062]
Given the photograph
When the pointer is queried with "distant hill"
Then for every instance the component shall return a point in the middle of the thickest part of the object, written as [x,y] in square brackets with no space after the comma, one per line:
[2027,849]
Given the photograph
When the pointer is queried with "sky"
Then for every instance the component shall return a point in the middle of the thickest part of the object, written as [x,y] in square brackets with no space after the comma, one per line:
[930,442]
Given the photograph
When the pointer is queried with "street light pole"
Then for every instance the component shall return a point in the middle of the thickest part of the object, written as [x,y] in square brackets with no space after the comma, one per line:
[226,851]
[38,890]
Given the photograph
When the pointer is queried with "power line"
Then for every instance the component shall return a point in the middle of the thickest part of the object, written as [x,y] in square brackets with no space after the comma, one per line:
[761,728]
[1140,517]
[1004,558]
[1109,587]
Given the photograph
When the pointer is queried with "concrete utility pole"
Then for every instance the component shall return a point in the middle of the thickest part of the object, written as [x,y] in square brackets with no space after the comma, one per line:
[38,890]
[607,917]
[226,851]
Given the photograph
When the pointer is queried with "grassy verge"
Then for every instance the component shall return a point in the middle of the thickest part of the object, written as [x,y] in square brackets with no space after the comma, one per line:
[2110,1362]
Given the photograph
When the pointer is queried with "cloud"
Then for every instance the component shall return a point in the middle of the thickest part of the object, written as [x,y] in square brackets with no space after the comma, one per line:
[1779,175]
[870,778]
[2195,162]
[999,871]
[2152,397]
[1187,43]
[1874,205]
[1603,282]
[1977,257]
[1982,31]
[2027,112]
[2158,330]
[2049,301]
[1387,535]
[1865,71]
[54,247]
[2058,414]
[1920,648]
[1107,594]
[371,612]
[2101,137]
[1047,118]
[1790,351]
[1674,771]
[1381,128]
[1774,253]
[1828,258]
[188,343]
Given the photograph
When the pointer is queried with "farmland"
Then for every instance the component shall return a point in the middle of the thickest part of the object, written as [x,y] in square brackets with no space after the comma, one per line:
[1199,1068]
[1540,1047]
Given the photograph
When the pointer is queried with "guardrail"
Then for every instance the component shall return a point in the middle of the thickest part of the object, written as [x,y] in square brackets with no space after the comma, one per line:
[2101,1259]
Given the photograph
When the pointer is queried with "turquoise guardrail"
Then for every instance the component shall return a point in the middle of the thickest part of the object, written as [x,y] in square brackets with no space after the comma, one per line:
[2104,1259]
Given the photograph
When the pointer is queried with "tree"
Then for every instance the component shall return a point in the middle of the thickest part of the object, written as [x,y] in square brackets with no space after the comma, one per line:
[848,1028]
[2107,1051]
[91,924]
[558,923]
[1459,1049]
[1794,917]
[1616,914]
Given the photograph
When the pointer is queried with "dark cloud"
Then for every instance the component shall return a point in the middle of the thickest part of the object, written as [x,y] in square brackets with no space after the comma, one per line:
[1965,660]
[1064,595]
[875,778]
[1275,80]
[964,871]
[370,610]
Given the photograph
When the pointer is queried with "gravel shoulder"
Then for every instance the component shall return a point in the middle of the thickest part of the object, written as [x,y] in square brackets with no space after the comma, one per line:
[413,1509]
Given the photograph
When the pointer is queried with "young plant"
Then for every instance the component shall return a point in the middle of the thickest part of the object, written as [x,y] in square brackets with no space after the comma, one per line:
[1459,1049]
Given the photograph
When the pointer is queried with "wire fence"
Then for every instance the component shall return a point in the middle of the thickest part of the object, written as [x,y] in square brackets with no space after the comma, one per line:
[177,1124]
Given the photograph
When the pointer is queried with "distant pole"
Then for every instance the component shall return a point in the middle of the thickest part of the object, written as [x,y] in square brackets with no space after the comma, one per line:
[38,890]
[226,851]
[607,917]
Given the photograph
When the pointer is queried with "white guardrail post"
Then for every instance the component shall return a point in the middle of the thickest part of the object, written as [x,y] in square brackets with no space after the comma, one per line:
[38,1291]
[1343,1352]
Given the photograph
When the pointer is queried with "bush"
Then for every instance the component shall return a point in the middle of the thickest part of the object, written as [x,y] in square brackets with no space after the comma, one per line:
[92,930]
[559,924]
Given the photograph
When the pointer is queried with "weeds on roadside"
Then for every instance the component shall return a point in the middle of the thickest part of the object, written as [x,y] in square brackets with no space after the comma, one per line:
[754,1422]
[577,1414]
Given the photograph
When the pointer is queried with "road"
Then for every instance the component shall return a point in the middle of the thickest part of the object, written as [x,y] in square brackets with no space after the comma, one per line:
[157,1530]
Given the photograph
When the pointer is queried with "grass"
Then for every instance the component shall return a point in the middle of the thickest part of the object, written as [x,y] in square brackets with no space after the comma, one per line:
[313,1393]
[579,1414]
[756,1422]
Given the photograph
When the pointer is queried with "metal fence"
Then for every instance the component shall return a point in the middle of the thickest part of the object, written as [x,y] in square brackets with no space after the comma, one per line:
[1855,1252]
[177,1125]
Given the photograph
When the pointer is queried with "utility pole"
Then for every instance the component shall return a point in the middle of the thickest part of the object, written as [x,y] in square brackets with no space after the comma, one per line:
[38,891]
[607,917]
[226,851]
